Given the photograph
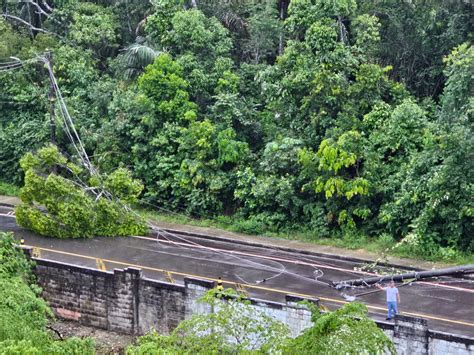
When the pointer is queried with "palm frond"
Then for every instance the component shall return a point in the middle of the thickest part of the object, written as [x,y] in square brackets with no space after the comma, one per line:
[139,54]
[136,57]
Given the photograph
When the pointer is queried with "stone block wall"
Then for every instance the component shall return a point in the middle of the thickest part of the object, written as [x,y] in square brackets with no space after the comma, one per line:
[445,343]
[410,335]
[125,301]
[161,306]
[74,293]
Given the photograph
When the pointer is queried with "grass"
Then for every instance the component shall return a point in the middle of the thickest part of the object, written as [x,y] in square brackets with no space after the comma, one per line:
[7,189]
[383,245]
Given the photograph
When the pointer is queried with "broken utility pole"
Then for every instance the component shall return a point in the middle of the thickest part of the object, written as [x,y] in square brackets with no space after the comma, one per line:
[52,99]
[417,275]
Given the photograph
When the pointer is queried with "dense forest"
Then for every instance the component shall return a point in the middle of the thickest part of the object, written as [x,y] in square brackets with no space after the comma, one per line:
[345,119]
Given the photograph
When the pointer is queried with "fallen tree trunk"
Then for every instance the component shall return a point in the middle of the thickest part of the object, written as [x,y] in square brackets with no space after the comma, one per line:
[417,275]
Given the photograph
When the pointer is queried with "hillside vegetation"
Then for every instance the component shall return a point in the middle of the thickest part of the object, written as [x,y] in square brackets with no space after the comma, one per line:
[344,119]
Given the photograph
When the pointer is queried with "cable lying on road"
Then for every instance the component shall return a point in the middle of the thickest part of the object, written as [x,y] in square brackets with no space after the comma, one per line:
[187,243]
[234,254]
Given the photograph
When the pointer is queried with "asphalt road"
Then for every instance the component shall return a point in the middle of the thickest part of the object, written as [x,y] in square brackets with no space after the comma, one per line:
[262,272]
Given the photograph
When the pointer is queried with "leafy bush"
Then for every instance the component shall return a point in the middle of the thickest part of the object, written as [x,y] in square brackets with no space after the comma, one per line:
[12,261]
[234,327]
[345,331]
[23,314]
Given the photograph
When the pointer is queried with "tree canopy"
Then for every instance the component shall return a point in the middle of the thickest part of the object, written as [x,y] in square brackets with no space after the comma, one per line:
[347,119]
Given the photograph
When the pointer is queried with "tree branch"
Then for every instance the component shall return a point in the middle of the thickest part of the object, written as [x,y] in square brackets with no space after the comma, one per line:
[28,24]
[56,331]
[42,12]
[40,9]
[46,6]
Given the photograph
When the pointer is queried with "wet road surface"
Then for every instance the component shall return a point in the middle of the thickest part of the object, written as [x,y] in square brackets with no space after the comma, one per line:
[262,272]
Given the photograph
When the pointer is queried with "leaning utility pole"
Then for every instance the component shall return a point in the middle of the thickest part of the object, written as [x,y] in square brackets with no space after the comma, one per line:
[52,99]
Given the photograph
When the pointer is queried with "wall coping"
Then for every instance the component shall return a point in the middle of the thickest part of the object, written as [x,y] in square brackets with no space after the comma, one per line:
[200,282]
[464,339]
[409,319]
[385,325]
[67,266]
[164,284]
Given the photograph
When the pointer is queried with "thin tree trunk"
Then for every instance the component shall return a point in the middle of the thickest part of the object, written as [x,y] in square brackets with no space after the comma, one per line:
[283,7]
[129,22]
[28,8]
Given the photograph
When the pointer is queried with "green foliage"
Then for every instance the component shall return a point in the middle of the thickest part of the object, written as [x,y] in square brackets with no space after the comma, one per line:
[234,327]
[167,90]
[12,261]
[93,26]
[367,34]
[60,206]
[193,32]
[194,156]
[303,13]
[346,118]
[11,41]
[264,30]
[457,95]
[415,36]
[23,314]
[347,330]
[7,189]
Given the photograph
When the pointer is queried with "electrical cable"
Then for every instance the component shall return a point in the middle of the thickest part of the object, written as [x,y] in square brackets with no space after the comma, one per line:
[282,251]
[248,261]
[366,272]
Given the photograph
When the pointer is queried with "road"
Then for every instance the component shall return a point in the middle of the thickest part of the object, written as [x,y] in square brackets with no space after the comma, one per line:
[262,272]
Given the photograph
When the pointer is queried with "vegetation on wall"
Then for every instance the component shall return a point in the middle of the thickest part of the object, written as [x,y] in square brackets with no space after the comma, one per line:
[347,119]
[236,327]
[23,314]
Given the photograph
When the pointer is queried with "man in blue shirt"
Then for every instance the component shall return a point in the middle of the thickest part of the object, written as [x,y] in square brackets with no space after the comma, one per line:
[393,298]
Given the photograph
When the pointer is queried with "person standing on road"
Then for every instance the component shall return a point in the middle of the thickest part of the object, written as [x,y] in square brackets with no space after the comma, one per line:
[393,298]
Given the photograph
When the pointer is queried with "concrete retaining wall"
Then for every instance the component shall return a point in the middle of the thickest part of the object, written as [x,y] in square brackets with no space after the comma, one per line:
[125,301]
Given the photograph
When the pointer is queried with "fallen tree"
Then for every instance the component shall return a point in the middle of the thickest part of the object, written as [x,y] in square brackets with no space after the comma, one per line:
[62,200]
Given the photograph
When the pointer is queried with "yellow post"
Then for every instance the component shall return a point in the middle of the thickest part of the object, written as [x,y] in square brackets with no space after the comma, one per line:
[36,252]
[220,286]
[169,277]
[323,308]
[241,289]
[100,264]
